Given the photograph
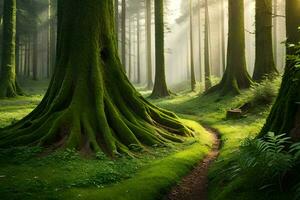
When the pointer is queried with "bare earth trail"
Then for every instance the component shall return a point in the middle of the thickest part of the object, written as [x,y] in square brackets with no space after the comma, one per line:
[194,186]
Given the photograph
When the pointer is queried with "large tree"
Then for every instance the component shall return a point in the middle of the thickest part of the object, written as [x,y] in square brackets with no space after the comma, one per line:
[90,104]
[8,81]
[236,76]
[160,86]
[148,24]
[264,60]
[285,114]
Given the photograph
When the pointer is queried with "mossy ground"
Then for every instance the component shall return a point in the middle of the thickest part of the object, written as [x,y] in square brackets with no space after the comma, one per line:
[27,173]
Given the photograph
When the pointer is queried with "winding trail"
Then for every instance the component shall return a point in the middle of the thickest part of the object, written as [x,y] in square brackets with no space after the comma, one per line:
[195,185]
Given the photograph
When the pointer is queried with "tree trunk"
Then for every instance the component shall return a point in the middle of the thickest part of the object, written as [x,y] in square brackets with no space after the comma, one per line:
[160,86]
[129,50]
[193,79]
[8,81]
[275,35]
[149,44]
[285,114]
[116,5]
[123,24]
[138,47]
[223,51]
[35,54]
[292,27]
[200,41]
[207,49]
[264,60]
[90,104]
[236,76]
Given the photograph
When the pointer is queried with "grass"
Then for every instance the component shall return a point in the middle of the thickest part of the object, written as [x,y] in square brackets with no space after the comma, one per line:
[211,110]
[25,173]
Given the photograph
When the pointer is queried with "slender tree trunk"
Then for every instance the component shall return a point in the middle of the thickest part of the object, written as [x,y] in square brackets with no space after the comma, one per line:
[275,38]
[138,47]
[17,54]
[149,44]
[285,114]
[223,51]
[264,60]
[193,79]
[35,54]
[90,104]
[129,49]
[49,40]
[117,20]
[124,33]
[207,49]
[160,85]
[236,76]
[200,41]
[8,81]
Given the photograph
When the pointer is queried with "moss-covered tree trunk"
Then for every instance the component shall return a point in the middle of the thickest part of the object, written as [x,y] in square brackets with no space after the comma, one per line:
[236,76]
[90,104]
[292,27]
[149,44]
[160,85]
[285,114]
[264,60]
[8,81]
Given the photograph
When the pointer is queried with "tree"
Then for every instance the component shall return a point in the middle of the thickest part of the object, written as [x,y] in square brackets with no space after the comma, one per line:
[138,33]
[200,40]
[223,51]
[275,34]
[193,79]
[90,104]
[160,86]
[123,37]
[264,61]
[8,82]
[149,44]
[236,76]
[207,49]
[284,117]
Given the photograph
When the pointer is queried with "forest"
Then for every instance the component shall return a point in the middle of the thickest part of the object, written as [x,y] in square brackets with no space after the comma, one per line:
[150,99]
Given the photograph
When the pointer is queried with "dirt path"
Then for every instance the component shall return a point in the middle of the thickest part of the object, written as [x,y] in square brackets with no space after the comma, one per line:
[194,186]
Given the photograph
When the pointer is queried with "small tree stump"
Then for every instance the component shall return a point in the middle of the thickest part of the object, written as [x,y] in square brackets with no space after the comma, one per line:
[234,114]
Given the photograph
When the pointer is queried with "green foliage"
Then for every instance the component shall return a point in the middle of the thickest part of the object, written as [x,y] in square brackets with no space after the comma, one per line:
[263,93]
[262,163]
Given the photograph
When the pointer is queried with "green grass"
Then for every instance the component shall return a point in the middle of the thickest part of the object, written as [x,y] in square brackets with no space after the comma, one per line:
[27,173]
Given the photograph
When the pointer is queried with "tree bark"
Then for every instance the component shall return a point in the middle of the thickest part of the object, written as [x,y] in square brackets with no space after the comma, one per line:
[193,78]
[160,86]
[123,24]
[200,41]
[138,47]
[8,81]
[207,49]
[90,104]
[223,51]
[149,44]
[236,76]
[284,117]
[264,60]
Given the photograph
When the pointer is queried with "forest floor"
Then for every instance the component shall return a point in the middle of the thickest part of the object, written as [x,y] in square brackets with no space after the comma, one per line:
[66,175]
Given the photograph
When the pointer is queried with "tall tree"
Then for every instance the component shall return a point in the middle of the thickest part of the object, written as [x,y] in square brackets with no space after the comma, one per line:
[193,78]
[285,114]
[207,66]
[116,5]
[138,41]
[8,82]
[200,40]
[264,60]
[90,104]
[160,86]
[123,26]
[236,76]
[149,44]
[223,51]
[275,34]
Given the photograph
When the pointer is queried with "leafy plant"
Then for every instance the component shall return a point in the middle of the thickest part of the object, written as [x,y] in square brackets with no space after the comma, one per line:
[264,162]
